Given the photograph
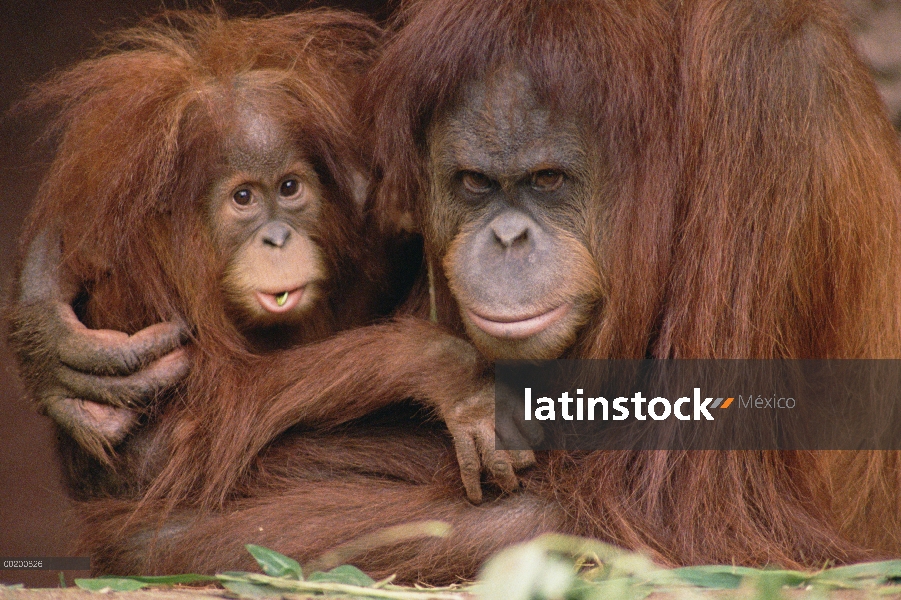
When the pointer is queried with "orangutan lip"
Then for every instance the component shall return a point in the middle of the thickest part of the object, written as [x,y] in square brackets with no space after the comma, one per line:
[516,328]
[280,302]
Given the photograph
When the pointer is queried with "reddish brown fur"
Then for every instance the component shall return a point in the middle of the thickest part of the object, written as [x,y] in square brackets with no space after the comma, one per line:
[754,213]
[565,52]
[151,258]
[315,491]
[142,130]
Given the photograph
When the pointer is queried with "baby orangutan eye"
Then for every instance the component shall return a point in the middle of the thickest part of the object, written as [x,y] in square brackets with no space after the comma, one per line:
[289,187]
[243,197]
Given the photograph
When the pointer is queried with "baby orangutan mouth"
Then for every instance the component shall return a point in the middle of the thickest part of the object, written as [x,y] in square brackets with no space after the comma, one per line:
[280,302]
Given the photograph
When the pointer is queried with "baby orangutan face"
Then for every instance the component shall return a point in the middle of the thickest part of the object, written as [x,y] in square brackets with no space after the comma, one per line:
[262,212]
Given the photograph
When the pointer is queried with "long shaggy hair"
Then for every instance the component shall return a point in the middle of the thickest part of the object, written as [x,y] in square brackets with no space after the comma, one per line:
[754,213]
[140,132]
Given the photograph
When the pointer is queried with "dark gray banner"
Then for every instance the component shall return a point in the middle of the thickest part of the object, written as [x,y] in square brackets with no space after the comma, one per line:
[65,563]
[698,405]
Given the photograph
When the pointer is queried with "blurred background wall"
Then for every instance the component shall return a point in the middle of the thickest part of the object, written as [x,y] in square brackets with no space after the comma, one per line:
[876,25]
[37,37]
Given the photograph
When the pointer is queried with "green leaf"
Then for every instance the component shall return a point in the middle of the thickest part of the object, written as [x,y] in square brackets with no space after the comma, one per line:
[717,577]
[347,574]
[623,588]
[275,564]
[784,577]
[769,583]
[135,582]
[247,589]
[171,579]
[876,571]
[116,584]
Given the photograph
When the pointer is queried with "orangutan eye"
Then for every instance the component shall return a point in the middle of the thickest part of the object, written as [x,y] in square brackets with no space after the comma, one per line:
[476,183]
[547,180]
[289,187]
[242,197]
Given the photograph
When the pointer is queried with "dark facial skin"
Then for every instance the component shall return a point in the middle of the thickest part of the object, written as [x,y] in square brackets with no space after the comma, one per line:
[510,185]
[260,214]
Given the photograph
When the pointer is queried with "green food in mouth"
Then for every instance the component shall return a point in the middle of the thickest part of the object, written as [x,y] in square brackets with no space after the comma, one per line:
[281,298]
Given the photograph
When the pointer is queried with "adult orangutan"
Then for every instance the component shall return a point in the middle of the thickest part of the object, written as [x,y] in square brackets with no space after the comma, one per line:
[709,178]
